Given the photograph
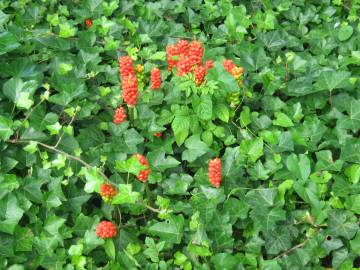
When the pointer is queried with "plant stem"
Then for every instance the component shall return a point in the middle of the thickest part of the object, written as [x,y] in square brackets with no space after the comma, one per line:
[291,249]
[54,149]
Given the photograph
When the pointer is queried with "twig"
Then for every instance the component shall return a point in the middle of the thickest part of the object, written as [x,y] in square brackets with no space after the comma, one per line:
[151,208]
[291,249]
[54,149]
[63,132]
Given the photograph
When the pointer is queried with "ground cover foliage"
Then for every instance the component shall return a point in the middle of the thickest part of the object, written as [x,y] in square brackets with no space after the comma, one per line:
[287,136]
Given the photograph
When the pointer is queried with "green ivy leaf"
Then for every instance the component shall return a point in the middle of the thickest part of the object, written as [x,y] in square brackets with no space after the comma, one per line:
[125,195]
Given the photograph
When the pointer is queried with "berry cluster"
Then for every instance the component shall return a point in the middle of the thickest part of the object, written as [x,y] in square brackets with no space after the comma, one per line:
[199,74]
[143,175]
[209,64]
[155,77]
[234,70]
[106,229]
[88,23]
[120,115]
[129,80]
[107,192]
[214,171]
[139,68]
[187,57]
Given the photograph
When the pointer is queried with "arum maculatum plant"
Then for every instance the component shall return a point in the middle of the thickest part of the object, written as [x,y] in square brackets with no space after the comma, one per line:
[166,135]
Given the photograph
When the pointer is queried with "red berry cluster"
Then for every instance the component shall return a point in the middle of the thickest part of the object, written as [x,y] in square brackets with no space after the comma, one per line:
[155,77]
[120,115]
[106,229]
[199,74]
[143,175]
[107,192]
[129,80]
[88,23]
[209,64]
[234,70]
[214,171]
[187,57]
[158,134]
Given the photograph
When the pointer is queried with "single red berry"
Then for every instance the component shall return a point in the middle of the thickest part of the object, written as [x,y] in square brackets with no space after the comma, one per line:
[88,23]
[214,171]
[120,115]
[107,192]
[209,64]
[106,229]
[158,134]
[199,74]
[155,77]
[143,175]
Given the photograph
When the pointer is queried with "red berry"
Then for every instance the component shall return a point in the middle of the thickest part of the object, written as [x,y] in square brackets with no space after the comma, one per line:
[88,23]
[120,115]
[158,134]
[214,171]
[107,192]
[155,77]
[199,74]
[209,64]
[106,229]
[143,175]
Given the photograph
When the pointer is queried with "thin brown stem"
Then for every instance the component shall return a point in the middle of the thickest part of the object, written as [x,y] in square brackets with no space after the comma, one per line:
[56,150]
[291,249]
[63,132]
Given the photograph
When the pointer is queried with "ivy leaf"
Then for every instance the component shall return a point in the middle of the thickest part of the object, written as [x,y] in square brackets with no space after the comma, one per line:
[203,106]
[170,231]
[253,148]
[180,126]
[20,92]
[195,148]
[299,166]
[222,112]
[5,128]
[237,22]
[11,213]
[131,165]
[342,224]
[8,42]
[93,179]
[282,120]
[158,161]
[345,32]
[125,195]
[330,80]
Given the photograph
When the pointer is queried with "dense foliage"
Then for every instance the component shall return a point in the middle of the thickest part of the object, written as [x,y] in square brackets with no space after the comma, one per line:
[248,161]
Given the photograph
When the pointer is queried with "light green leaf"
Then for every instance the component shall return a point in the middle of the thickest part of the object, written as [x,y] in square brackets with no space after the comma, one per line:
[282,120]
[203,106]
[5,128]
[170,231]
[125,195]
[345,32]
[195,148]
